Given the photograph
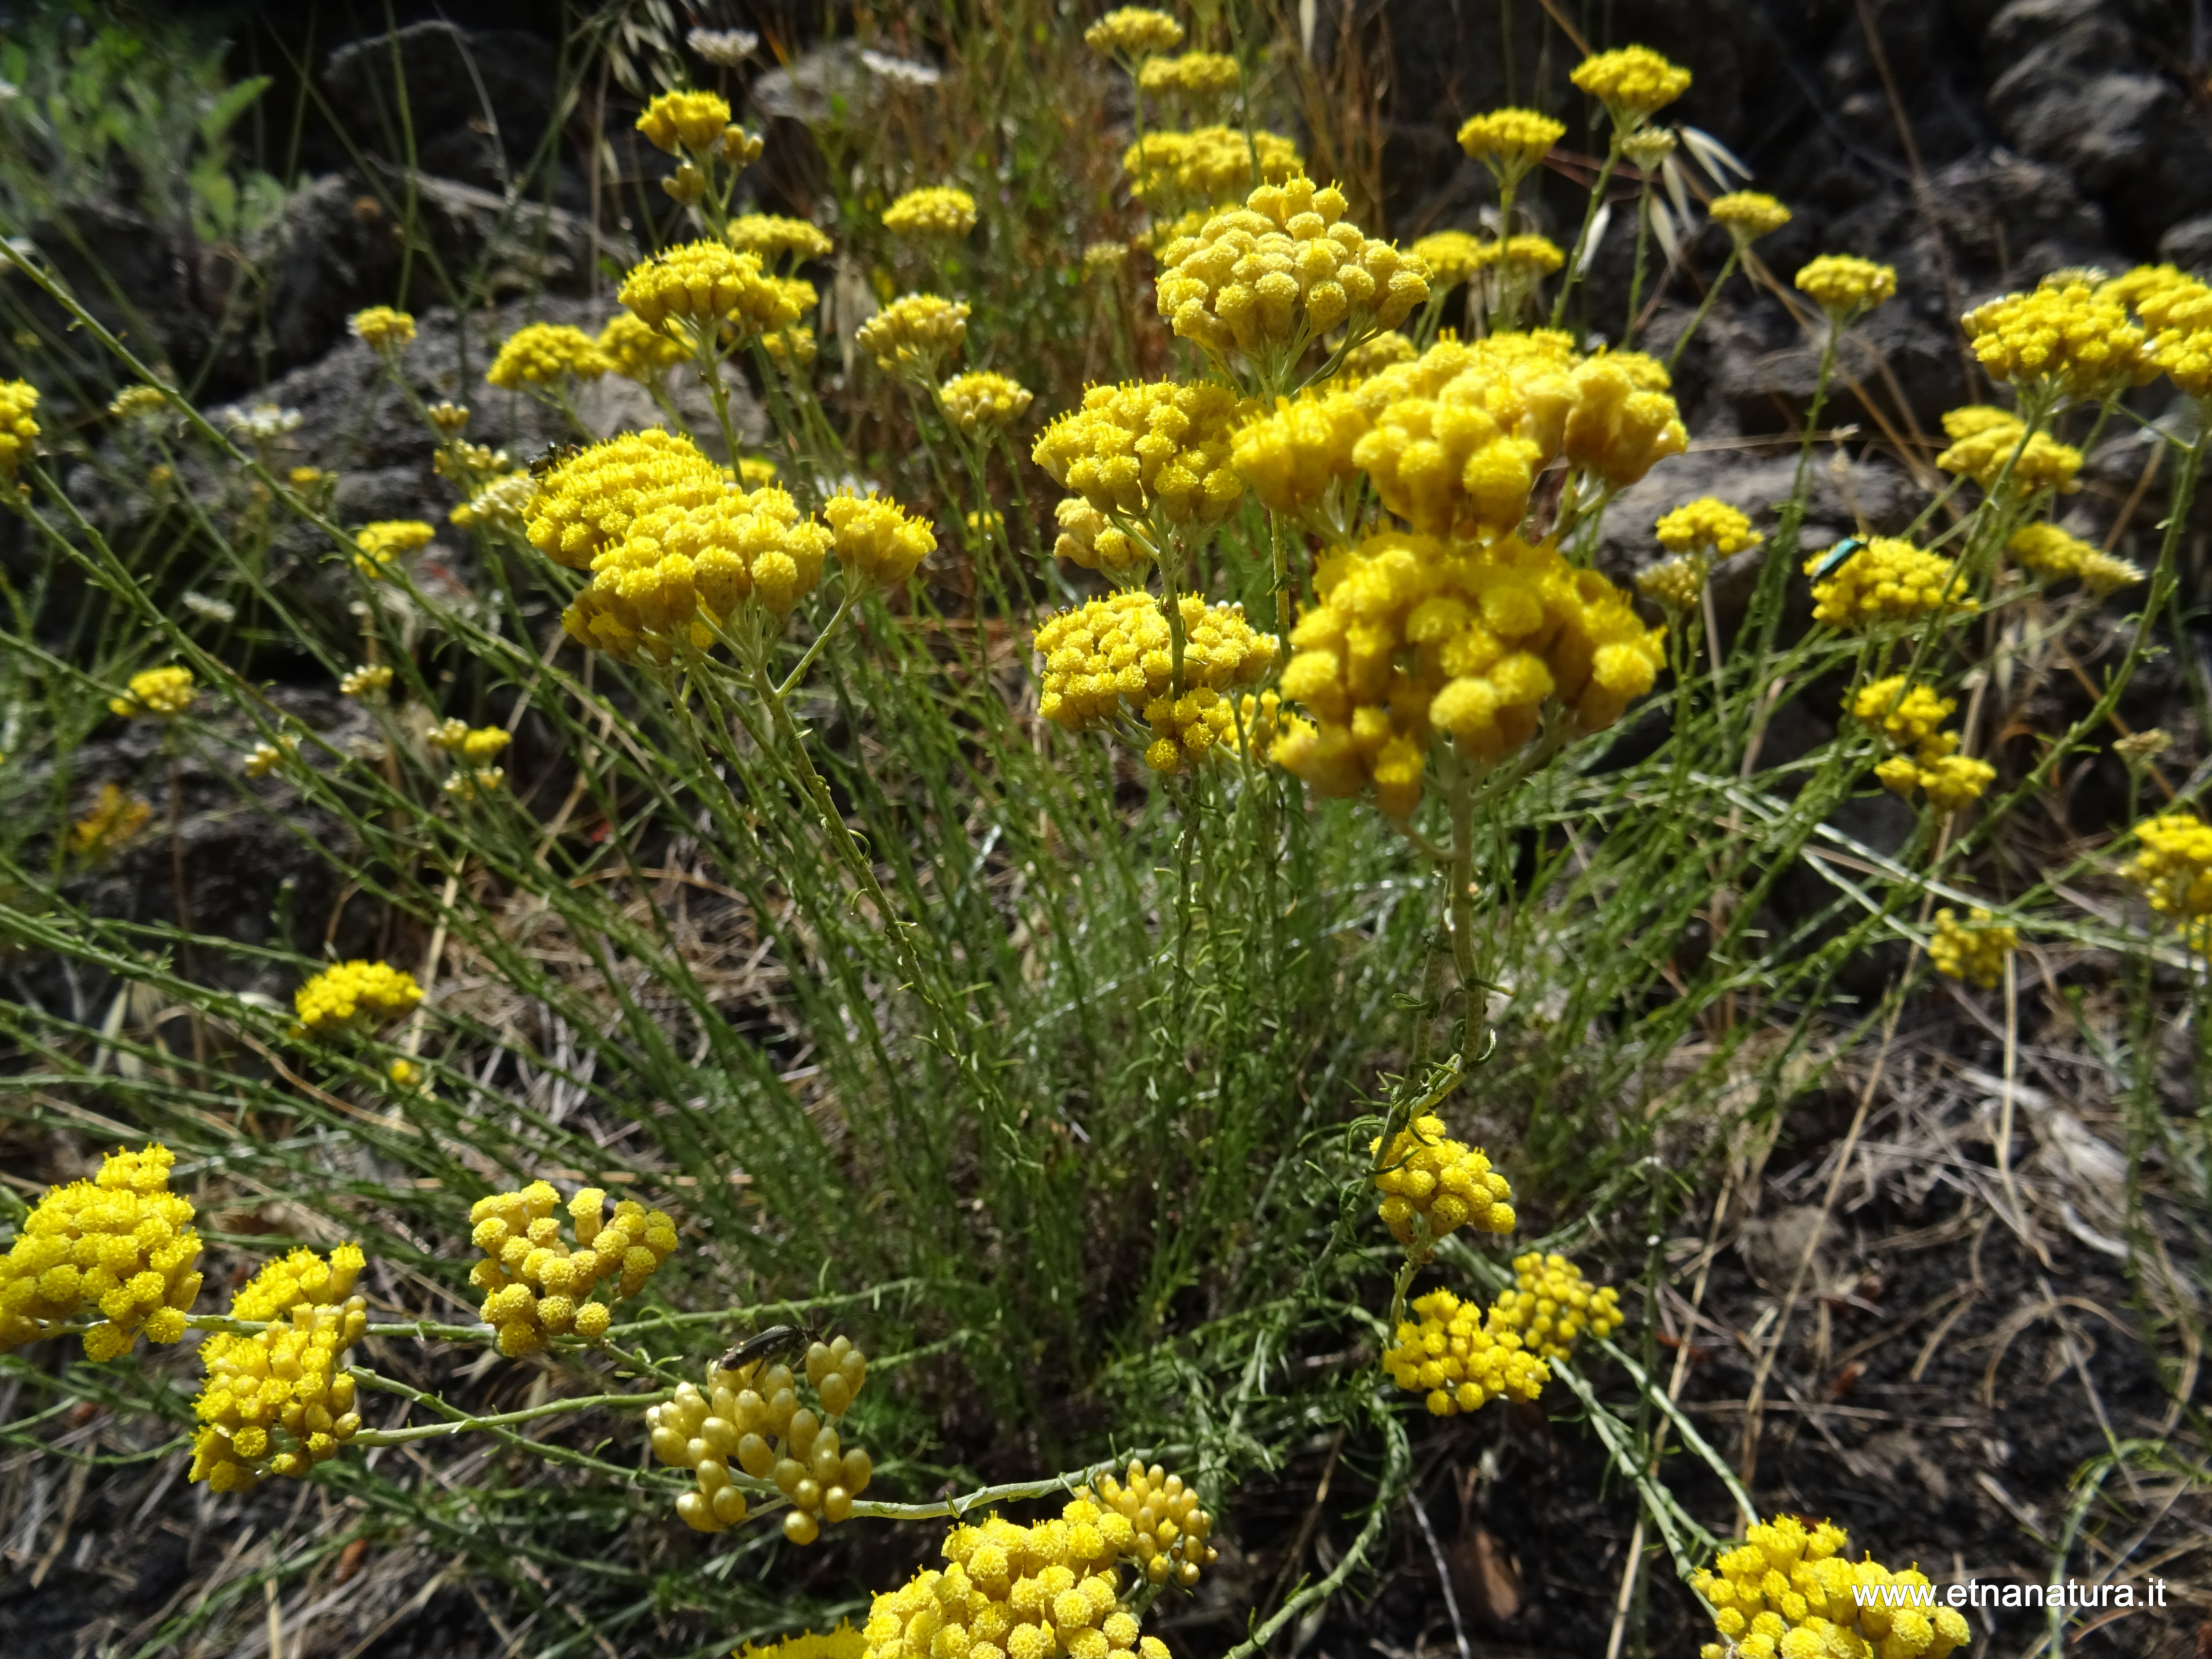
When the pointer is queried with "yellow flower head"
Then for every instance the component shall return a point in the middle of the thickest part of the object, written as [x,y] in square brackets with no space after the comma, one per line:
[2176,310]
[275,1401]
[1951,781]
[366,679]
[121,1245]
[1552,1306]
[1886,581]
[115,819]
[2174,868]
[691,121]
[1511,141]
[1088,538]
[636,352]
[589,501]
[2049,551]
[1207,167]
[540,354]
[792,349]
[751,1417]
[1448,1352]
[1282,270]
[938,210]
[1984,440]
[1132,32]
[1905,714]
[1622,422]
[377,544]
[500,507]
[1372,356]
[2068,340]
[878,543]
[1114,657]
[1791,1592]
[1974,950]
[842,1643]
[1141,445]
[913,336]
[983,402]
[18,431]
[1533,255]
[266,758]
[1194,75]
[1843,285]
[771,238]
[1706,525]
[476,744]
[1632,83]
[709,289]
[1291,457]
[159,693]
[755,471]
[1452,257]
[355,995]
[381,329]
[1446,1184]
[537,1286]
[1748,215]
[1101,258]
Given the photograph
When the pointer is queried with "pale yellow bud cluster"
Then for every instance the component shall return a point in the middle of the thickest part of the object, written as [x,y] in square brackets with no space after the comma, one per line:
[1372,358]
[1114,657]
[1552,1306]
[1443,1184]
[1975,949]
[1677,584]
[273,1402]
[1843,285]
[1984,439]
[1451,257]
[983,402]
[353,993]
[2068,340]
[1132,32]
[2176,310]
[1787,1592]
[878,543]
[156,693]
[1707,525]
[1192,74]
[377,544]
[121,1243]
[366,680]
[772,238]
[1748,215]
[501,508]
[381,329]
[589,501]
[1283,269]
[1412,634]
[476,744]
[1088,538]
[1207,167]
[536,1286]
[2175,866]
[1530,255]
[2051,552]
[137,400]
[542,353]
[707,290]
[637,351]
[936,211]
[1511,141]
[1291,457]
[1632,83]
[913,336]
[1461,1363]
[752,1417]
[18,431]
[793,350]
[1168,1527]
[1888,580]
[1141,445]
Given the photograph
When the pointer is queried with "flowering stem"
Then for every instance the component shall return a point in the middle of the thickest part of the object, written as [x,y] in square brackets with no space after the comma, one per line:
[1573,272]
[954,1508]
[1636,273]
[1705,304]
[499,1420]
[1462,899]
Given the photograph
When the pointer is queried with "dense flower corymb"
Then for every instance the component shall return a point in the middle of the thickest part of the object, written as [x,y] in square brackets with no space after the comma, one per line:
[381,329]
[1843,285]
[772,238]
[354,993]
[537,1286]
[1888,580]
[1787,1592]
[1192,74]
[1707,525]
[1139,445]
[2050,551]
[686,120]
[1445,1184]
[2174,868]
[877,544]
[122,1242]
[1975,949]
[1632,83]
[161,693]
[935,210]
[273,1401]
[1984,439]
[1552,1306]
[18,431]
[1207,167]
[1510,141]
[541,353]
[1461,1363]
[983,402]
[1114,657]
[1134,32]
[702,288]
[377,544]
[914,335]
[2067,340]
[586,503]
[1748,215]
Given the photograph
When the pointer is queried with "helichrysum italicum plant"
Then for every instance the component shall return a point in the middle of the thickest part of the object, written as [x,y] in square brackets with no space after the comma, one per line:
[1450,257]
[273,1401]
[1552,1306]
[1191,75]
[266,758]
[1132,32]
[876,543]
[477,744]
[2067,342]
[983,402]
[1748,215]
[355,996]
[586,504]
[1458,1360]
[536,1286]
[1974,948]
[1115,658]
[936,211]
[1140,448]
[711,297]
[542,355]
[120,1245]
[1888,580]
[1707,526]
[1205,168]
[1788,1592]
[1908,715]
[1986,441]
[2051,552]
[501,508]
[115,819]
[366,680]
[1169,1527]
[1846,286]
[914,336]
[2173,866]
[1511,141]
[1634,83]
[155,694]
[1088,538]
[381,328]
[377,544]
[18,431]
[776,240]
[1432,1185]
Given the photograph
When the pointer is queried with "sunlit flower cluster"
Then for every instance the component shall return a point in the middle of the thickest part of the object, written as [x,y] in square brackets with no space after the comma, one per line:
[381,329]
[586,503]
[1748,215]
[1291,457]
[1909,716]
[2067,340]
[1138,447]
[500,507]
[1975,949]
[541,354]
[1708,525]
[693,121]
[2176,310]
[1787,1592]
[114,820]
[18,431]
[536,1286]
[1460,1361]
[1450,257]
[1511,141]
[1843,285]
[772,237]
[1088,538]
[913,336]
[1114,657]
[1552,1306]
[1133,33]
[355,995]
[2174,865]
[983,402]
[273,1401]
[1530,255]
[1888,580]
[1632,83]
[1443,1184]
[377,544]
[1905,714]
[476,744]
[156,693]
[636,351]
[2051,552]
[877,542]
[1192,74]
[1984,439]
[709,290]
[366,680]
[1207,167]
[935,211]
[121,1244]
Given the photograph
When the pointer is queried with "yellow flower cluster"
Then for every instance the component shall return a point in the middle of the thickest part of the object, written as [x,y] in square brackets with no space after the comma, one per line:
[115,818]
[122,1242]
[1632,83]
[983,402]
[1530,256]
[1708,525]
[1445,1184]
[2049,551]
[793,350]
[540,354]
[1450,257]
[273,1402]
[382,329]
[1975,949]
[536,1286]
[1748,215]
[842,1643]
[1888,580]
[1461,1361]
[679,571]
[2176,309]
[752,1417]
[1291,457]
[1141,445]
[501,507]
[1207,167]
[1133,32]
[636,351]
[1984,439]
[587,503]
[1905,714]
[365,680]
[378,545]
[771,237]
[1552,1306]
[1115,655]
[755,471]
[937,210]
[354,993]
[1843,285]
[476,744]
[878,543]
[2067,340]
[686,120]
[1909,716]
[18,431]
[1510,141]
[701,290]
[1372,356]
[1283,269]
[1170,1528]
[1787,1592]
[1675,584]
[913,336]
[1088,538]
[160,692]
[1412,634]
[2174,868]
[1194,75]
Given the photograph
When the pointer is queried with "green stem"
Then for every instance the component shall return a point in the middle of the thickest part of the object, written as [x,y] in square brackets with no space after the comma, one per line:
[1573,272]
[1705,304]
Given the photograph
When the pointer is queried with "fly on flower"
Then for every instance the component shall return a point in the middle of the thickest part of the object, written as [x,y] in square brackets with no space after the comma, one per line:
[553,456]
[776,1338]
[1832,560]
